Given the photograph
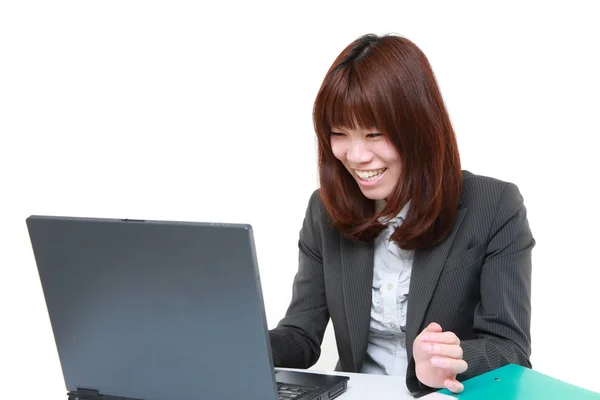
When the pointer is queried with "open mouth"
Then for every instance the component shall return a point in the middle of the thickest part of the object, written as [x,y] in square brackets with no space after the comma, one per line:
[370,175]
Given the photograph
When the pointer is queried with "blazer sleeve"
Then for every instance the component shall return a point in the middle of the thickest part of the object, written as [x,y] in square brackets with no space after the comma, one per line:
[502,318]
[296,341]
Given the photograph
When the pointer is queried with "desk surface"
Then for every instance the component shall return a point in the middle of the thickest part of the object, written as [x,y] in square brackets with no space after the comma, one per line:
[379,387]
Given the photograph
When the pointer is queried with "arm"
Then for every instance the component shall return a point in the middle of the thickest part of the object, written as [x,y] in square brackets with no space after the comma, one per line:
[502,318]
[296,341]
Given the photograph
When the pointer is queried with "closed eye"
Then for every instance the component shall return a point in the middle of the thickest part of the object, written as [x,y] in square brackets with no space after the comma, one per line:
[336,134]
[374,135]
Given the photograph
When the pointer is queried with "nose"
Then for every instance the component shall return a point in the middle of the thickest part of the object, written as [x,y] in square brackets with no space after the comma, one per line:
[358,153]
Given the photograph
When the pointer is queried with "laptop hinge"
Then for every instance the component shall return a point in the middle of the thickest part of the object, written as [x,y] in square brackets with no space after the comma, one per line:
[92,394]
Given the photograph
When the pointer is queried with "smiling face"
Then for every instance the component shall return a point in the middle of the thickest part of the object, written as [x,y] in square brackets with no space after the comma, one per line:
[370,158]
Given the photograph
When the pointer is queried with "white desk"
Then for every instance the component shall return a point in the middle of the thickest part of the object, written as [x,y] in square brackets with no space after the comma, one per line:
[376,387]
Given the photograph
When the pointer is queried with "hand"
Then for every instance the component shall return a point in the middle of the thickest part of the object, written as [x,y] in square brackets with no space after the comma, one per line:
[438,358]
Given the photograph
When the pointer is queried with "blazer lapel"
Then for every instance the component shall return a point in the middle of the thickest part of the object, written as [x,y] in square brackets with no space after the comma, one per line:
[426,270]
[357,280]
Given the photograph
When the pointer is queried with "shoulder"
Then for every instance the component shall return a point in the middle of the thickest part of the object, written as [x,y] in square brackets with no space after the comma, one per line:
[315,209]
[316,215]
[490,202]
[316,227]
[485,191]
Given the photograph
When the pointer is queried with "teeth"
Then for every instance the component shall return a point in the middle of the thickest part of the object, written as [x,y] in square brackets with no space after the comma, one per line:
[369,175]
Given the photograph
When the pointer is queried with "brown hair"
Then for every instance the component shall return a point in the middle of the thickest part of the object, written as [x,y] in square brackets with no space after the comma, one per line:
[386,82]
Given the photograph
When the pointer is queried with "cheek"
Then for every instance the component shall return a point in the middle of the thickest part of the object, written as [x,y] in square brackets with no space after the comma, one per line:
[388,153]
[395,161]
[338,150]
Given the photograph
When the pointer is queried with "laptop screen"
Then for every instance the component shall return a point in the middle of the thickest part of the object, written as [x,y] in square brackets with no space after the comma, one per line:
[155,310]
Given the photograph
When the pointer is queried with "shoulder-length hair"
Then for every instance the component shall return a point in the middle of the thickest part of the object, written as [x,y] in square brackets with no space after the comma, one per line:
[386,82]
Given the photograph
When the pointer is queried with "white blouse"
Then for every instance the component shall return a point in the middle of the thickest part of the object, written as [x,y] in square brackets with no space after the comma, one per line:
[386,351]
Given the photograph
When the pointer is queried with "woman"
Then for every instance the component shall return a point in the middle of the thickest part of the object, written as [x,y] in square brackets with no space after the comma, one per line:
[424,269]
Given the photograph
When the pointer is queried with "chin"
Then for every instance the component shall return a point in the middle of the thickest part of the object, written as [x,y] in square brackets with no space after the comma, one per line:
[375,194]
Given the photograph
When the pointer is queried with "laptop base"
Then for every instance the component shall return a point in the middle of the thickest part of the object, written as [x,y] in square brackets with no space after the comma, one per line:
[325,387]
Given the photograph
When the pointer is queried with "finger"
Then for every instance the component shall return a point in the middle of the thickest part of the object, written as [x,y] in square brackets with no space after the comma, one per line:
[433,327]
[445,350]
[454,386]
[441,337]
[451,364]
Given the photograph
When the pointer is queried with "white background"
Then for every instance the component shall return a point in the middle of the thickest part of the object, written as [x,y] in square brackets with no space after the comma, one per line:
[202,112]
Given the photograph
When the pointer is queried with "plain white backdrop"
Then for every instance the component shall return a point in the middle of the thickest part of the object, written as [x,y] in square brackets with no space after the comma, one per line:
[202,112]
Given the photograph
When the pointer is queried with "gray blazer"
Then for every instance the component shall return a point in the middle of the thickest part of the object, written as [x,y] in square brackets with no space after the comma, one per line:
[476,283]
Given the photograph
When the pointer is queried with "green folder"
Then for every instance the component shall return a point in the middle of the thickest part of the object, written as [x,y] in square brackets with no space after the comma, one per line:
[514,382]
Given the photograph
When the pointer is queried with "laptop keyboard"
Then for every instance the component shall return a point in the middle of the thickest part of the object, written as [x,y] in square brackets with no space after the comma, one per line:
[286,392]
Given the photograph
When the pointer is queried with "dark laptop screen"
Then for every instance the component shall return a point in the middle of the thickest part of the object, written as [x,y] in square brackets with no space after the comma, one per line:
[155,310]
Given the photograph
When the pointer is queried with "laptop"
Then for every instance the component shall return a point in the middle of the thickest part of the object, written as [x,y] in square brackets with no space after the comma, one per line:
[156,310]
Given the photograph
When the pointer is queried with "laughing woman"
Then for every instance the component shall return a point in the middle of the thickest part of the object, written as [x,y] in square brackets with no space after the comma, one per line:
[423,268]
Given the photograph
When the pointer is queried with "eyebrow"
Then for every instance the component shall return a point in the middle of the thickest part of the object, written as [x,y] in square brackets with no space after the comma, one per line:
[367,133]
